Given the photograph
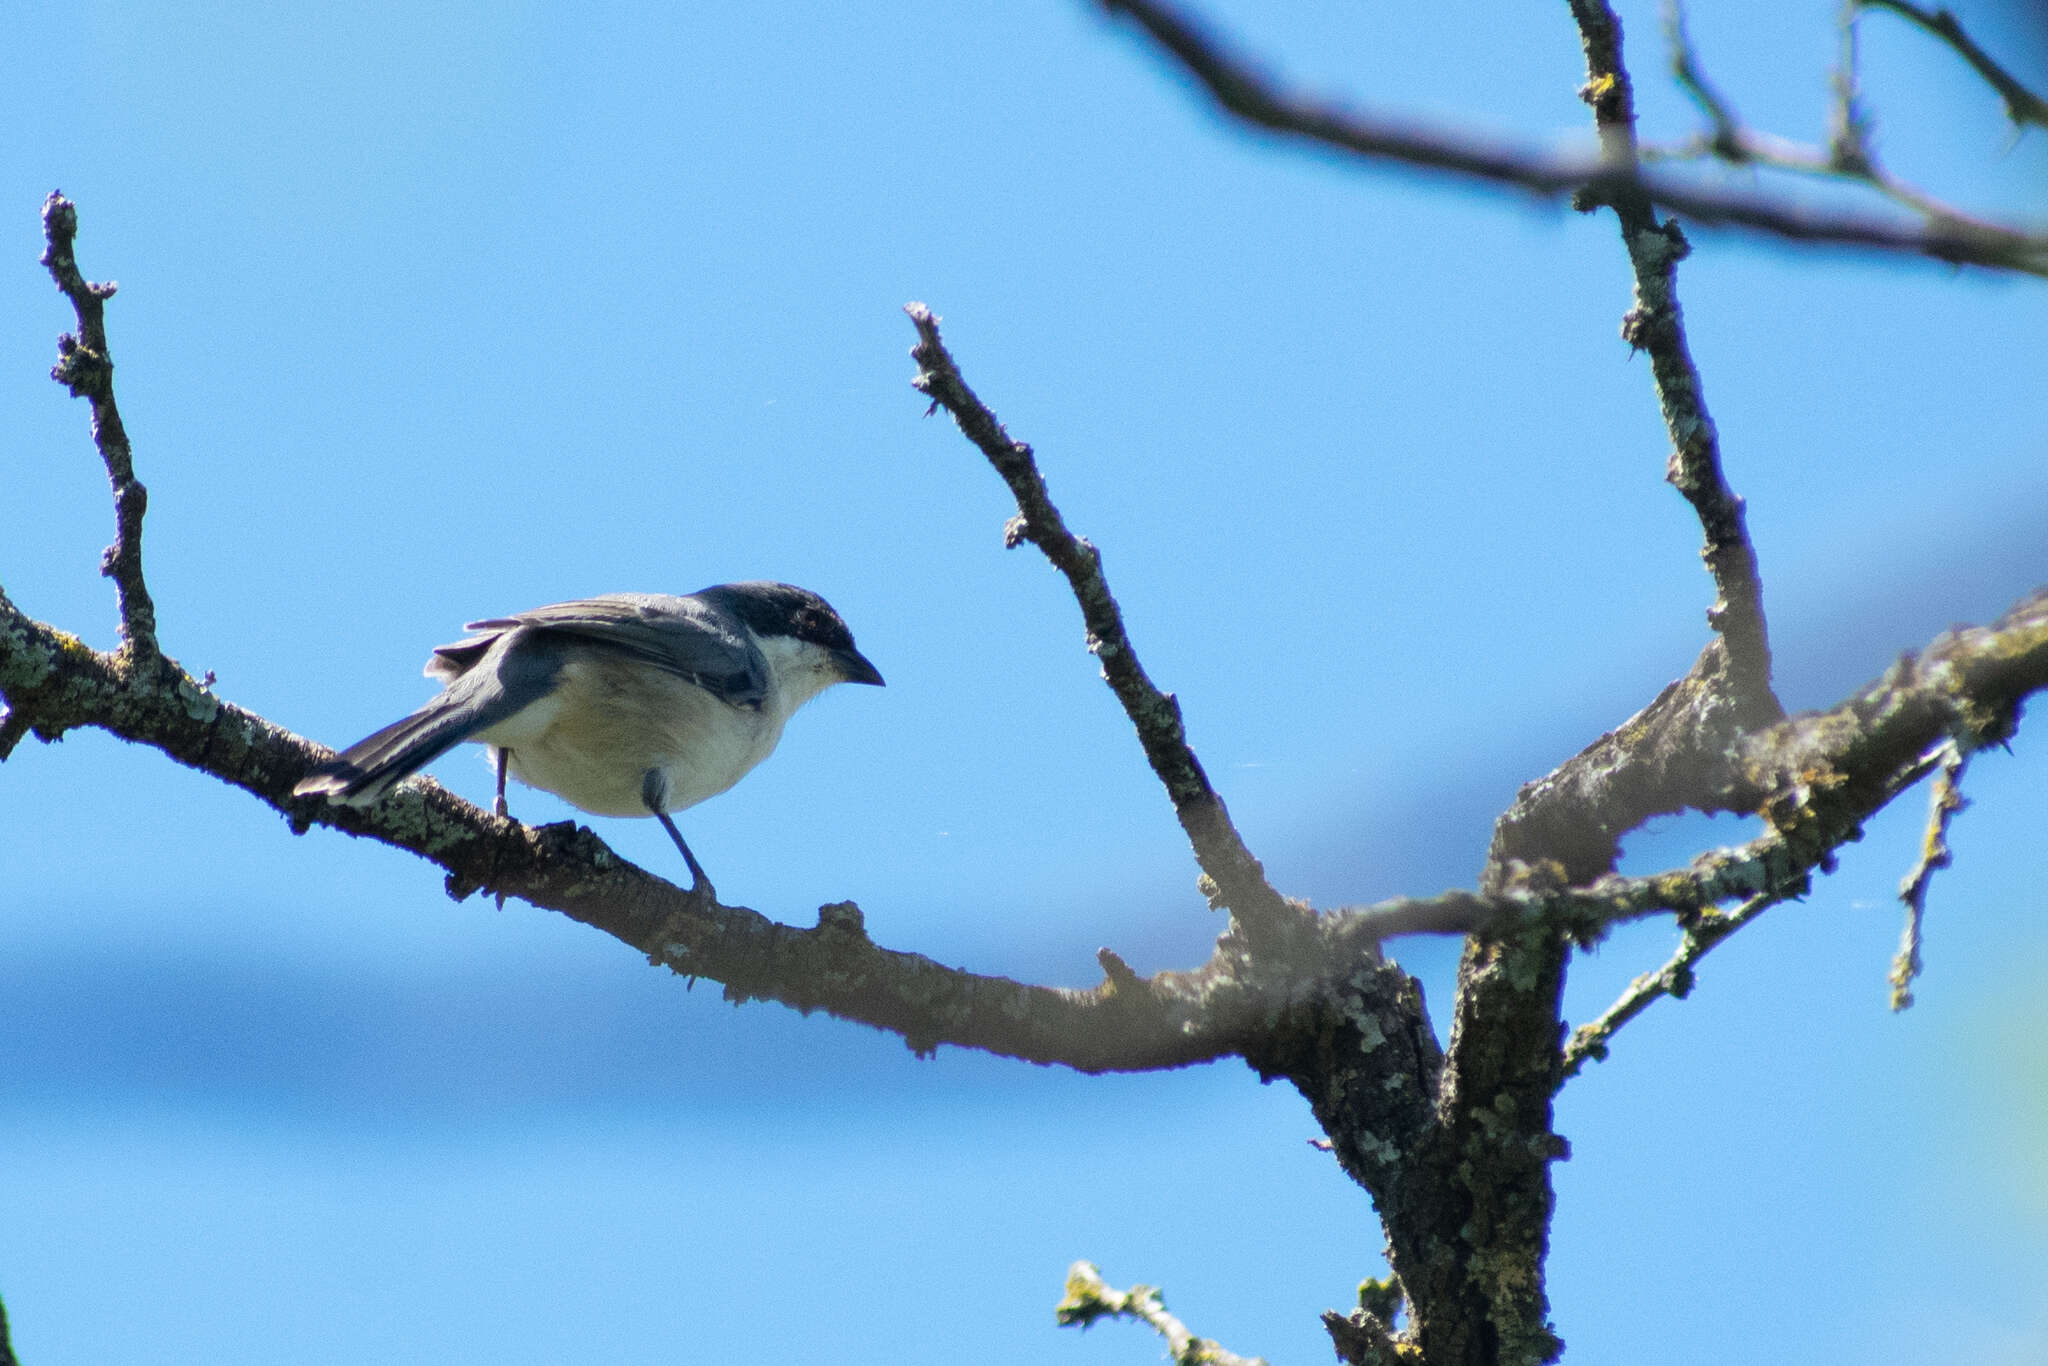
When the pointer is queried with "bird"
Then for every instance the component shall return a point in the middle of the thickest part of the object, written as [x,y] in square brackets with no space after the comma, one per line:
[627,704]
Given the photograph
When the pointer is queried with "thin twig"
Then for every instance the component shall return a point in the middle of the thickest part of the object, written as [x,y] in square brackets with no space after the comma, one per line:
[1239,881]
[1685,69]
[1250,96]
[1675,979]
[1849,126]
[86,367]
[2022,105]
[1945,800]
[1089,1298]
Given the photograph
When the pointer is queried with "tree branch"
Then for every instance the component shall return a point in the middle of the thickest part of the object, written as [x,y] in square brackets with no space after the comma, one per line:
[1816,777]
[1237,878]
[1701,933]
[1676,753]
[1848,158]
[1705,928]
[85,366]
[1089,1298]
[1656,326]
[2022,105]
[1943,803]
[1248,95]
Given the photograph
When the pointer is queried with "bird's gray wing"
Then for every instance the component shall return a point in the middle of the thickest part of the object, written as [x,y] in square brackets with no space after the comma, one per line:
[682,636]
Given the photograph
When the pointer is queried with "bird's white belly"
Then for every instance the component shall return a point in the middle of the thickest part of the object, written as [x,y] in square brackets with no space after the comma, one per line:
[607,722]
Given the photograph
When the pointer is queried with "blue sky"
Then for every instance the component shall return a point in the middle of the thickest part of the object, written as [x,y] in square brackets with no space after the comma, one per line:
[430,312]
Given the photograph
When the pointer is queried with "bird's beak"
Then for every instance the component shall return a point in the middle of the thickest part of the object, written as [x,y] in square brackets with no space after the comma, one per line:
[854,667]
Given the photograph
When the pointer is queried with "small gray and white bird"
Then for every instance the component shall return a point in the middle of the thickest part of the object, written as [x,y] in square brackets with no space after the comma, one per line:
[631,704]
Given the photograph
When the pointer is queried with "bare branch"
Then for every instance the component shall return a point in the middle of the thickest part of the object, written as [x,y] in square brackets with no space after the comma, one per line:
[1089,1298]
[1944,802]
[86,367]
[1248,95]
[1726,139]
[1656,326]
[1239,882]
[2022,105]
[1848,158]
[1702,932]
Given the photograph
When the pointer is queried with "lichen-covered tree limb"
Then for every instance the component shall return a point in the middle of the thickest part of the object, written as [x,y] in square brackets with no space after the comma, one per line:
[1241,90]
[1089,1299]
[1239,880]
[1910,722]
[1470,1251]
[1471,1254]
[56,683]
[1816,777]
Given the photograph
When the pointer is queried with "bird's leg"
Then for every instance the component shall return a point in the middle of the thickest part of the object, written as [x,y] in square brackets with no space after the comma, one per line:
[498,807]
[654,792]
[700,887]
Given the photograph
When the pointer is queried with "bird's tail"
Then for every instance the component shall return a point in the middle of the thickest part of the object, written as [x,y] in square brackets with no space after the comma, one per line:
[370,767]
[485,686]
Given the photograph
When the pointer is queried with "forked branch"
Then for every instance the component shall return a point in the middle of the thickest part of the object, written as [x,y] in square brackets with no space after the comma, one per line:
[1244,92]
[1848,158]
